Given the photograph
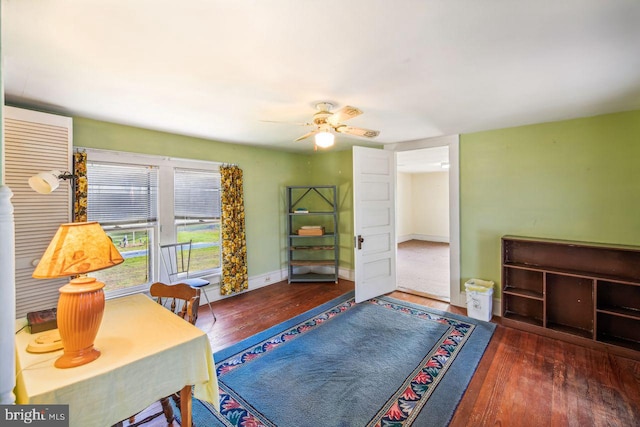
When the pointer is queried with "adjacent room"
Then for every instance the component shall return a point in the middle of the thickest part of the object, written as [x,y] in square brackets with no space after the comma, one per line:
[296,213]
[422,207]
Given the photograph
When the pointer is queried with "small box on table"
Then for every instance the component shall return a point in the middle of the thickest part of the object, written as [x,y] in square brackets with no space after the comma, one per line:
[42,320]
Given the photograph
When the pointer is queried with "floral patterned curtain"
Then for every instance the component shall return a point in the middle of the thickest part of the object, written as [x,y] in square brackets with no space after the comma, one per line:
[234,246]
[80,196]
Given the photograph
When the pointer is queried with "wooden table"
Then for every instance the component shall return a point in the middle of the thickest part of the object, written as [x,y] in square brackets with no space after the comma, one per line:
[147,353]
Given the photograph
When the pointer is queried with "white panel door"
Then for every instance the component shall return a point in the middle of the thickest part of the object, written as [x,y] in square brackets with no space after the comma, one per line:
[374,217]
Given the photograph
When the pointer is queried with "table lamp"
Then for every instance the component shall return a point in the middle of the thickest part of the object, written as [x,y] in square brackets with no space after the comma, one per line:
[76,249]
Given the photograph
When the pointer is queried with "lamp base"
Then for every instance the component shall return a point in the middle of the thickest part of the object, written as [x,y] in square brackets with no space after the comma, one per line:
[80,310]
[71,360]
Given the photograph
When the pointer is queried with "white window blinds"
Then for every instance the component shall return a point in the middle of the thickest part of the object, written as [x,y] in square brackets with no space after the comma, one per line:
[197,194]
[122,194]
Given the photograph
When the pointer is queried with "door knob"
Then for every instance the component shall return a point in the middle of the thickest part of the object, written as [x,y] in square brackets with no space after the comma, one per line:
[359,241]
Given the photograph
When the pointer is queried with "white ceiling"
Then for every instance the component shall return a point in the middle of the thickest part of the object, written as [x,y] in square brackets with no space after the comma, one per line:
[220,69]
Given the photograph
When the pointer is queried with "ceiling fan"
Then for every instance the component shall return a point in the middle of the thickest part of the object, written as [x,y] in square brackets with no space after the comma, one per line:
[328,122]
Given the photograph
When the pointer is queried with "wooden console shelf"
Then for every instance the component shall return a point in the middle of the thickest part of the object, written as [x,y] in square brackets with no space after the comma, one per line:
[585,293]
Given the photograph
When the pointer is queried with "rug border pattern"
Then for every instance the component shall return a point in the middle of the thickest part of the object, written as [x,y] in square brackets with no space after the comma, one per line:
[405,405]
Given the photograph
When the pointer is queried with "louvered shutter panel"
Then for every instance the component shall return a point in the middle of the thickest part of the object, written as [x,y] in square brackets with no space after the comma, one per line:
[36,142]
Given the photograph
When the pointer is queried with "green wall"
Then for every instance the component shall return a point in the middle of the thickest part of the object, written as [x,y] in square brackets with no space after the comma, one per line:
[336,168]
[575,180]
[266,173]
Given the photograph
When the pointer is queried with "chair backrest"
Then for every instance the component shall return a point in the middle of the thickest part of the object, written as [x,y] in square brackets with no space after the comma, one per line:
[181,299]
[176,258]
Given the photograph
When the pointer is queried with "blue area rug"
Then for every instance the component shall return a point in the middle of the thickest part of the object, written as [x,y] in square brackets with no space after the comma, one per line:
[383,362]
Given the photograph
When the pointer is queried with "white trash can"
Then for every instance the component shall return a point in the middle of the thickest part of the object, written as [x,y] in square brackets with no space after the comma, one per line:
[479,299]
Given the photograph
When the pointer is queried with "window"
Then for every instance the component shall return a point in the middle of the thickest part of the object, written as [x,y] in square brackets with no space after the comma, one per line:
[142,201]
[124,200]
[197,216]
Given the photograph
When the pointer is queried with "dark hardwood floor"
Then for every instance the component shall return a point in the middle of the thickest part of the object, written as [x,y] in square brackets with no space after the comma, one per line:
[523,379]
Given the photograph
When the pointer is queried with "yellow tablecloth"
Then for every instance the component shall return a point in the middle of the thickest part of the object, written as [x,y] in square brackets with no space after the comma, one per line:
[147,353]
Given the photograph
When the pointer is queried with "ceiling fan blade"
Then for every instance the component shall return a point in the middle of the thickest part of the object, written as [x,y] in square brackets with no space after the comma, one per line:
[367,133]
[288,123]
[307,135]
[345,113]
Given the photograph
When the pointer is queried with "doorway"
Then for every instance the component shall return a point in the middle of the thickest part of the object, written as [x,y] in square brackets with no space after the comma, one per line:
[423,237]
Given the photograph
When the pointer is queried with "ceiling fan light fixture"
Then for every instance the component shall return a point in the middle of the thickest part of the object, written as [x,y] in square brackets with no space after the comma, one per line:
[328,124]
[325,139]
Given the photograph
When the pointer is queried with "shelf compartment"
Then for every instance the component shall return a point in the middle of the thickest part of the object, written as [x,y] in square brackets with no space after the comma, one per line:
[526,283]
[585,333]
[524,293]
[523,319]
[568,272]
[631,313]
[311,213]
[310,263]
[620,331]
[618,299]
[314,277]
[570,304]
[523,309]
[313,248]
[312,236]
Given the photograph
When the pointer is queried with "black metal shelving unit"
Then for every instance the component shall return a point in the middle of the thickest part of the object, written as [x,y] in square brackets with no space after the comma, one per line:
[312,258]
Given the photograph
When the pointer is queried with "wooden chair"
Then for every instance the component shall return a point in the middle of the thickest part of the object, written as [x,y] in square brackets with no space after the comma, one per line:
[183,300]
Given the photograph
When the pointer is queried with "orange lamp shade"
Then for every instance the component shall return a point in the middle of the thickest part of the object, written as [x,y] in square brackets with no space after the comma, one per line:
[77,248]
